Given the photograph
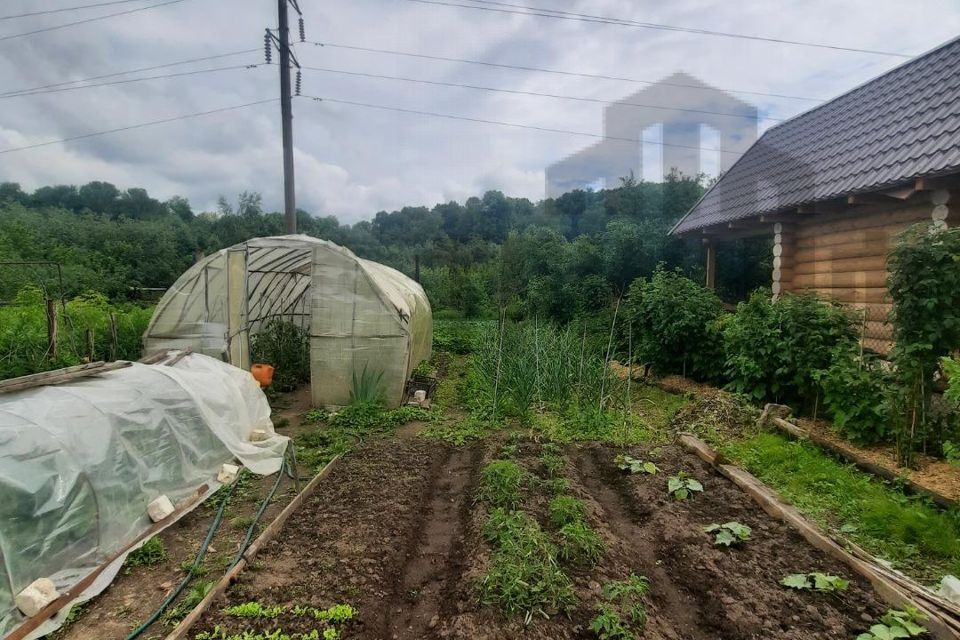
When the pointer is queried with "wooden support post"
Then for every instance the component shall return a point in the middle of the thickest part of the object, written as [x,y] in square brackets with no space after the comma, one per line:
[90,345]
[51,328]
[114,343]
[783,253]
[711,266]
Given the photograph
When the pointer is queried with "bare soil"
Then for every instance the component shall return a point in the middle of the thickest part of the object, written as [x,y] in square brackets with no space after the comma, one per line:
[394,531]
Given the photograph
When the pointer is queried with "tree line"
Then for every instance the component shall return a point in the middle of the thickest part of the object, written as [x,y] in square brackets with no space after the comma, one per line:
[556,257]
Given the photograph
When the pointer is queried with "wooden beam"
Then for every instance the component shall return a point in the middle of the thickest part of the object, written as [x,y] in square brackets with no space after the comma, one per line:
[711,266]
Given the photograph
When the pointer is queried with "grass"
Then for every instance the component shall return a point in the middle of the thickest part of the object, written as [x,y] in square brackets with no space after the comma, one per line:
[460,432]
[152,552]
[906,531]
[500,484]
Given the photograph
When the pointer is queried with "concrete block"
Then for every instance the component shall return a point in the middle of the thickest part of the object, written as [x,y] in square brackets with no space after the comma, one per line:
[228,473]
[258,435]
[950,589]
[419,395]
[160,508]
[35,597]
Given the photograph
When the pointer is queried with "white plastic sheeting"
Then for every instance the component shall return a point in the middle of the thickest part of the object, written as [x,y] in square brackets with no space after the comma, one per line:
[360,314]
[79,462]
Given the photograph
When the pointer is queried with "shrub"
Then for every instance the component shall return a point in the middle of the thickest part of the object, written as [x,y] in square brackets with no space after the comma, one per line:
[856,392]
[774,349]
[673,323]
[925,287]
[286,346]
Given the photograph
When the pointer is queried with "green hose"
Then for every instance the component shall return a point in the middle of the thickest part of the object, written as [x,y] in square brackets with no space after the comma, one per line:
[197,560]
[284,469]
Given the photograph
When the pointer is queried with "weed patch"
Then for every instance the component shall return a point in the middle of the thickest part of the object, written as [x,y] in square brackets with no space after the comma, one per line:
[152,552]
[565,510]
[500,484]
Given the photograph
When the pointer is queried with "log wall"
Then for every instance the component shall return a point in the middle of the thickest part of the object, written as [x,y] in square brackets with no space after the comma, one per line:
[843,256]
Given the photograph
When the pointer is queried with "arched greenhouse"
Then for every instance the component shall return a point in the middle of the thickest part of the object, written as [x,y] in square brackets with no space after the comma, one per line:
[359,314]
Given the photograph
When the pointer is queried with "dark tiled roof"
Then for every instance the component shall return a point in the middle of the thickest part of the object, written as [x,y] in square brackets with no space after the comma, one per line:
[902,125]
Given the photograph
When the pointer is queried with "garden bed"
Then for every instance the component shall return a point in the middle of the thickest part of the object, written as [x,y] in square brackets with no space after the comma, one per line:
[396,533]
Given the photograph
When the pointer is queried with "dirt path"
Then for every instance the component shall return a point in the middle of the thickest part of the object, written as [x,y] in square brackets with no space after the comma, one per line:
[433,558]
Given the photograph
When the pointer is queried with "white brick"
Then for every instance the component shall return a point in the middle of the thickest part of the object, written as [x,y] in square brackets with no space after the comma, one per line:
[160,508]
[228,473]
[258,435]
[950,589]
[419,395]
[39,594]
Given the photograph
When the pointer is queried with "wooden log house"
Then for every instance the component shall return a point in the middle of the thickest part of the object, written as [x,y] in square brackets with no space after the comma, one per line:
[834,187]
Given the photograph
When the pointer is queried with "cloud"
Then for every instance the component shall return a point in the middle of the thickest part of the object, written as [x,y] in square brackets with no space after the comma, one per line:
[353,161]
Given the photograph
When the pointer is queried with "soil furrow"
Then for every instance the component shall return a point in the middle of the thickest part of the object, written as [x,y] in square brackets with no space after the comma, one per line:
[415,606]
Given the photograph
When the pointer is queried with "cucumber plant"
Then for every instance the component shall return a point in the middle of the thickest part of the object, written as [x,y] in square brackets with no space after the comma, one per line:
[682,486]
[896,623]
[815,581]
[634,465]
[729,533]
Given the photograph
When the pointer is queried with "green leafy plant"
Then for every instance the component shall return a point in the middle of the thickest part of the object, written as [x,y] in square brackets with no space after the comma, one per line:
[774,349]
[150,553]
[856,395]
[578,543]
[951,452]
[286,346]
[682,486]
[608,625]
[254,610]
[198,591]
[634,465]
[729,533]
[896,623]
[552,464]
[815,581]
[673,321]
[524,576]
[565,509]
[366,388]
[924,285]
[500,484]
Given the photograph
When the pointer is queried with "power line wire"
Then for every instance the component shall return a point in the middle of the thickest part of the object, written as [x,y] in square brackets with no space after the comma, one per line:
[511,124]
[136,126]
[537,93]
[63,9]
[123,73]
[129,80]
[582,17]
[596,76]
[73,24]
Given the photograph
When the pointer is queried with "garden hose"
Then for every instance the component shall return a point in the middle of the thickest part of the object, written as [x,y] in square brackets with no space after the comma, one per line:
[136,633]
[263,507]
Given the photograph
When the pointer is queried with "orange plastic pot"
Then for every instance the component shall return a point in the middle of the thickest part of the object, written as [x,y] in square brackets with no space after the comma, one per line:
[262,373]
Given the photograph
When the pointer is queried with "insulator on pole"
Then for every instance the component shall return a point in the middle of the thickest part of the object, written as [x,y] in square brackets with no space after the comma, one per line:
[267,48]
[299,77]
[303,33]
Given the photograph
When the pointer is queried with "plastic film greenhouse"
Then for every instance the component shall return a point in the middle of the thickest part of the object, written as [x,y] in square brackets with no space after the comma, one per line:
[360,315]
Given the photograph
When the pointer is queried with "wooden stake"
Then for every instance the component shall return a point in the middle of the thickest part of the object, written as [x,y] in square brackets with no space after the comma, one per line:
[114,342]
[51,328]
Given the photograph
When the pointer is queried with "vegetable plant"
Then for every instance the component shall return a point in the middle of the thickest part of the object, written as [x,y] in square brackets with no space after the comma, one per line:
[577,542]
[729,533]
[628,594]
[682,486]
[815,581]
[500,483]
[608,625]
[634,465]
[565,510]
[896,623]
[152,552]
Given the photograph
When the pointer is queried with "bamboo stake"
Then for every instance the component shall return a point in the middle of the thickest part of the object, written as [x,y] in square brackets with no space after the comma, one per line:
[496,382]
[606,359]
[626,419]
[536,355]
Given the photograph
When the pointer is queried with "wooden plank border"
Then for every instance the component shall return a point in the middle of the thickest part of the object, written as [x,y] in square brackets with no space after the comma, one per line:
[893,593]
[268,534]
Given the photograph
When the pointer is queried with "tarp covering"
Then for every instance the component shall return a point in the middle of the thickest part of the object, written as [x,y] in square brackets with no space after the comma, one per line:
[360,314]
[80,462]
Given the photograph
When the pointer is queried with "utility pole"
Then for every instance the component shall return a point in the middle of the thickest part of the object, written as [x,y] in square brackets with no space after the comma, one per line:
[286,115]
[282,41]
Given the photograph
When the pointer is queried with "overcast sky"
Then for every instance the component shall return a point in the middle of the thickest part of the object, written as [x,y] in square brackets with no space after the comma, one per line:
[352,161]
